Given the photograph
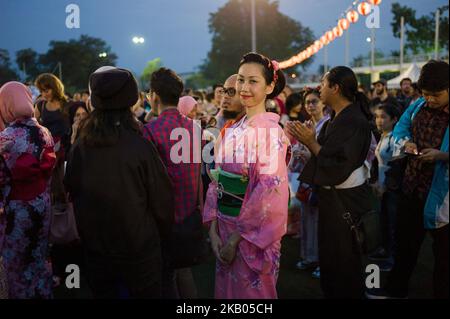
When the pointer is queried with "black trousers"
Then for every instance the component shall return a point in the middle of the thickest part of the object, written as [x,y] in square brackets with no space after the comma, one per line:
[388,219]
[111,278]
[410,236]
[341,269]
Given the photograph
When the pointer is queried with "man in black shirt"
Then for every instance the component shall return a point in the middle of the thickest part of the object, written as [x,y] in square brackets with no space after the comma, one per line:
[405,95]
[381,95]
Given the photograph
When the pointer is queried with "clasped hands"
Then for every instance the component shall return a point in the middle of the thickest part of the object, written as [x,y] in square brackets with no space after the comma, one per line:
[305,133]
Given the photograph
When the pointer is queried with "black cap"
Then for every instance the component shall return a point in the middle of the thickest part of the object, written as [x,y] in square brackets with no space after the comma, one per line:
[382,81]
[113,89]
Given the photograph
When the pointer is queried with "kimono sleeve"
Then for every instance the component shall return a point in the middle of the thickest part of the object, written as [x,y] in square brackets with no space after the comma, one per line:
[345,149]
[210,208]
[263,217]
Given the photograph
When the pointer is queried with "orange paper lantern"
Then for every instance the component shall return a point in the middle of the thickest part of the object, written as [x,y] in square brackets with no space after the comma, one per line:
[318,44]
[353,16]
[330,36]
[324,40]
[364,8]
[344,24]
[375,2]
[337,32]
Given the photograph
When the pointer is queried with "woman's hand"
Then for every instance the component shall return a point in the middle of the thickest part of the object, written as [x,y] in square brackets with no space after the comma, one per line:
[228,252]
[411,148]
[304,133]
[432,155]
[216,242]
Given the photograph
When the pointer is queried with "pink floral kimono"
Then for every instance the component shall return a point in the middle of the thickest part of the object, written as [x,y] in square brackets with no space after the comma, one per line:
[262,220]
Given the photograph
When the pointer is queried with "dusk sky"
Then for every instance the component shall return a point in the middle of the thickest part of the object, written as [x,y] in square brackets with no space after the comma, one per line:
[176,30]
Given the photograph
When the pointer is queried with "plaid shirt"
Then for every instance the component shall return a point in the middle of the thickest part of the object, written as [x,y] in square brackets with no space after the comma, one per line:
[184,176]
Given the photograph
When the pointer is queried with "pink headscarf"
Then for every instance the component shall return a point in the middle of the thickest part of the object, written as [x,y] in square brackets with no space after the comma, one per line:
[15,103]
[186,105]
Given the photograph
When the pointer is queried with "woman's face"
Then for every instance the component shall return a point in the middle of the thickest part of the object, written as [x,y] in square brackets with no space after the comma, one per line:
[383,121]
[80,115]
[251,85]
[313,105]
[297,109]
[193,114]
[47,94]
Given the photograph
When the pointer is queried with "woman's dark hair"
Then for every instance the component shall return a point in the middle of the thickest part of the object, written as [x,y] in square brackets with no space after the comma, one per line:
[391,110]
[269,72]
[167,85]
[415,87]
[292,101]
[73,108]
[103,127]
[345,78]
[309,91]
[48,81]
[434,76]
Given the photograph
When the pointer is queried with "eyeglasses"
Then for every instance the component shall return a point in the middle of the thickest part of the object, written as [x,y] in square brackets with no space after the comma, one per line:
[230,92]
[313,102]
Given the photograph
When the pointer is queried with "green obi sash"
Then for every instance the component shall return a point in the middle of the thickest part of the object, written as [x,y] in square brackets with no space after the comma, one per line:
[230,191]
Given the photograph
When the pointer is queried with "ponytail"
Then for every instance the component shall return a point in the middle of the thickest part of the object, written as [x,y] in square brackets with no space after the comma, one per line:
[363,102]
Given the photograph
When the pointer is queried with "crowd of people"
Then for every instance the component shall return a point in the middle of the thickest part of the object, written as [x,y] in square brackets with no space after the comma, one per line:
[150,178]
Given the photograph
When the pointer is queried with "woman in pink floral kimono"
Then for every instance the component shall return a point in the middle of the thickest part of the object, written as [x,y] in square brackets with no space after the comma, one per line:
[247,202]
[27,159]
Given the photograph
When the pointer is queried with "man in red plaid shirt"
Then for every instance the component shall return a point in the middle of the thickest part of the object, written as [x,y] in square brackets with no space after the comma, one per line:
[183,169]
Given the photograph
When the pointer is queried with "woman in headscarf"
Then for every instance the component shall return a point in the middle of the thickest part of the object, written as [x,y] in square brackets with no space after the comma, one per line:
[27,159]
[188,106]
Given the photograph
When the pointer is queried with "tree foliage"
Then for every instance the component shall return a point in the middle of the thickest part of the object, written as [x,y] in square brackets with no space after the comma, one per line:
[6,71]
[420,31]
[278,36]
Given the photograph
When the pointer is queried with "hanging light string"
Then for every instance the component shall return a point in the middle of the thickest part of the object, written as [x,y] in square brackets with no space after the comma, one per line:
[348,17]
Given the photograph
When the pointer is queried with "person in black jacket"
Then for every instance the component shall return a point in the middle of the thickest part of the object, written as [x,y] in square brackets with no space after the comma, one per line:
[121,192]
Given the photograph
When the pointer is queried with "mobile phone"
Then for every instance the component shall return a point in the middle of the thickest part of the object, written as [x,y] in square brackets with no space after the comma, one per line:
[413,154]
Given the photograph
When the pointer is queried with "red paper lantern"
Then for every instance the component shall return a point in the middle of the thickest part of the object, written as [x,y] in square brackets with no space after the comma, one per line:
[364,8]
[375,2]
[330,36]
[337,32]
[344,24]
[353,16]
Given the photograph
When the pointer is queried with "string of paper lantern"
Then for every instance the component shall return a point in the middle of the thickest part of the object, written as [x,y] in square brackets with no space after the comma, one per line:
[349,17]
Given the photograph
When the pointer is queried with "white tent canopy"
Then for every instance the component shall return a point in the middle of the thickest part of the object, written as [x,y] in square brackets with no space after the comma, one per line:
[413,72]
